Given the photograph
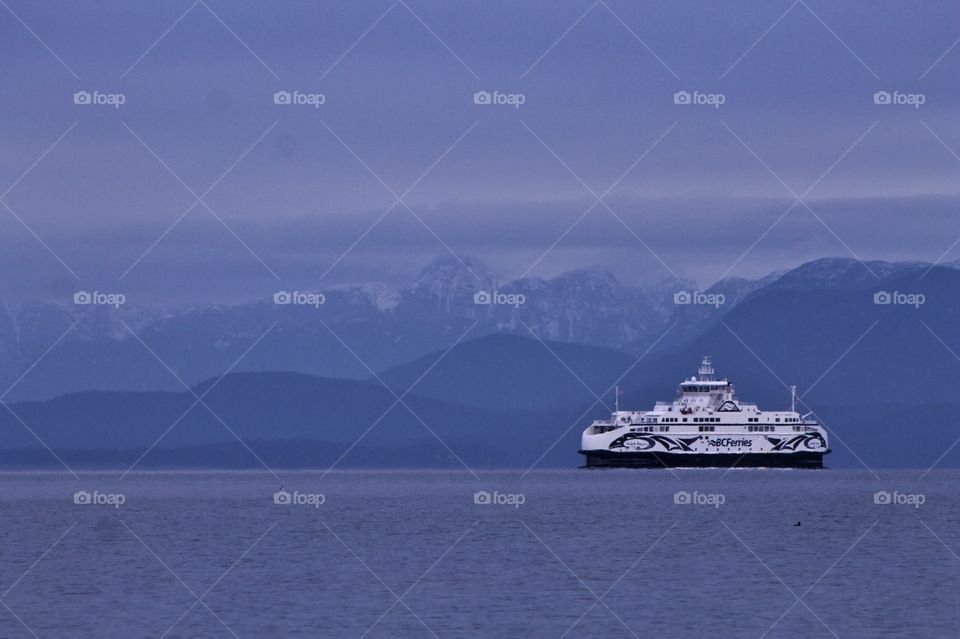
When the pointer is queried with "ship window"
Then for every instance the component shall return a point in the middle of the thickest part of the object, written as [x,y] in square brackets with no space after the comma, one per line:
[684,419]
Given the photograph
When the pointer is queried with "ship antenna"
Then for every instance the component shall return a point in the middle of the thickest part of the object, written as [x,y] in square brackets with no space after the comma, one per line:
[706,369]
[793,399]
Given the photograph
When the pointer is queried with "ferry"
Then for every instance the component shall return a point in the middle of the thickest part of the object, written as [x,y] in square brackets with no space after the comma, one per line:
[705,426]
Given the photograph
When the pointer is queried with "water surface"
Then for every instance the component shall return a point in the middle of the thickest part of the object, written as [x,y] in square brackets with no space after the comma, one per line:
[580,553]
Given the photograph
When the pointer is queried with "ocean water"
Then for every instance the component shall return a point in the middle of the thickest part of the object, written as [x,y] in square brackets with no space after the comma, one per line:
[575,553]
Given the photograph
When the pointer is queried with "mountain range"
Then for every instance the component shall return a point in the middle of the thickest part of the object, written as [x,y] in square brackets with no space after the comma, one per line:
[873,349]
[357,329]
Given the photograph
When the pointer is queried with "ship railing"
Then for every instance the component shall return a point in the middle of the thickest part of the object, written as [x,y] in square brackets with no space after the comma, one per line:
[601,427]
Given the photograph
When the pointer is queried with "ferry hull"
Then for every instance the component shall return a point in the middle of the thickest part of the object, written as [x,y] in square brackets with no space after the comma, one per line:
[611,459]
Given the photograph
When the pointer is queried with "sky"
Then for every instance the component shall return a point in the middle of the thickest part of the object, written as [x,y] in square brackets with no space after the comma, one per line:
[181,180]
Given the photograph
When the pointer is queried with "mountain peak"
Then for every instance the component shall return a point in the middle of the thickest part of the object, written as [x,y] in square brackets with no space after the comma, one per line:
[451,280]
[841,271]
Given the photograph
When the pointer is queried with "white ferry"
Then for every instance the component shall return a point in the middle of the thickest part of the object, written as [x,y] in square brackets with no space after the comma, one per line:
[706,426]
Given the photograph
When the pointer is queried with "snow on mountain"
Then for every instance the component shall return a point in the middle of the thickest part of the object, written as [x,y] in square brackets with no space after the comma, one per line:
[450,283]
[831,272]
[371,326]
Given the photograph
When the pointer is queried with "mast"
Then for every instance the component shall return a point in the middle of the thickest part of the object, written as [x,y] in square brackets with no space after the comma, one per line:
[706,369]
[793,399]
[616,399]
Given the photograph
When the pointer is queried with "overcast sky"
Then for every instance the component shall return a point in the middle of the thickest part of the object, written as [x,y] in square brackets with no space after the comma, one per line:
[102,192]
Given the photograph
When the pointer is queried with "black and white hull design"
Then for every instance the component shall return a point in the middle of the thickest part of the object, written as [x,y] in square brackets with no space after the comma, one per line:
[706,426]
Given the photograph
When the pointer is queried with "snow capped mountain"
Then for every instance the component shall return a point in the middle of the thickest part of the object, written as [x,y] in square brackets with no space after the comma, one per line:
[357,328]
[832,272]
[369,327]
[382,296]
[451,280]
[587,306]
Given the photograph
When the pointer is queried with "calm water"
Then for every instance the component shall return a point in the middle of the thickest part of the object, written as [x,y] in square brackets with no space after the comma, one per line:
[536,569]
